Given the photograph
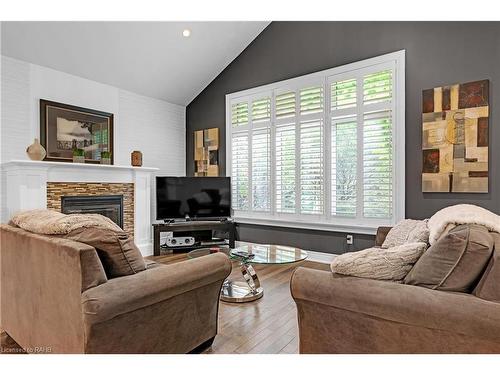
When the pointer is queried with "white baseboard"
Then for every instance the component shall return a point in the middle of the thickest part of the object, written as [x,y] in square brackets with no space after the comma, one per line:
[316,256]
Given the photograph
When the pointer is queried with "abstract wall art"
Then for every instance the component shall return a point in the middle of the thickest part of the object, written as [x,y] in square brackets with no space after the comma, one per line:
[206,152]
[455,138]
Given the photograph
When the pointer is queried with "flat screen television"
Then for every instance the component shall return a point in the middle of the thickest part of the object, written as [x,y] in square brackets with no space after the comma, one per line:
[193,197]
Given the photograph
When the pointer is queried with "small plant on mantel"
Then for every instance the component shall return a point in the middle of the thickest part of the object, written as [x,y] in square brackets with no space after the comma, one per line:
[78,155]
[105,157]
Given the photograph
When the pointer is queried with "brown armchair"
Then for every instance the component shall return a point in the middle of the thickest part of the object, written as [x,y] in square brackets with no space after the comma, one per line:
[340,314]
[56,298]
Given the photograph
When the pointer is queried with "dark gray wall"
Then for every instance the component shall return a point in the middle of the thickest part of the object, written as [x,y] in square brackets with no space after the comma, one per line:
[437,53]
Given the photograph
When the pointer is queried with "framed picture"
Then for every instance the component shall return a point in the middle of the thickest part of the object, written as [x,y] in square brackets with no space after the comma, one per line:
[64,128]
[206,152]
[455,138]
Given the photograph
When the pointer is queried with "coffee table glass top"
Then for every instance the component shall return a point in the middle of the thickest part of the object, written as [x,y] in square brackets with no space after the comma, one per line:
[262,254]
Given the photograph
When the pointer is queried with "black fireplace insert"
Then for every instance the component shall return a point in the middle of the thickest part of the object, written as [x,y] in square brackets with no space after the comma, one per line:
[107,205]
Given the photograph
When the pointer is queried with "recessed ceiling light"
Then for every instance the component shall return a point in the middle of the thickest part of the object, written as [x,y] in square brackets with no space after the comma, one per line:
[186,33]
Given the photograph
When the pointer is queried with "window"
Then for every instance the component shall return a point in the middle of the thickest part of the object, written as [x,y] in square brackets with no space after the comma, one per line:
[321,151]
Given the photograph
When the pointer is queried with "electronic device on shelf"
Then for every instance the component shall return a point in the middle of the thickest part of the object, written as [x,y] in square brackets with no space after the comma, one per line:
[193,198]
[180,241]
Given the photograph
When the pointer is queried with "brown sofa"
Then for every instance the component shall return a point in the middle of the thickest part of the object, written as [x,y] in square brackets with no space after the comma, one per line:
[339,314]
[56,298]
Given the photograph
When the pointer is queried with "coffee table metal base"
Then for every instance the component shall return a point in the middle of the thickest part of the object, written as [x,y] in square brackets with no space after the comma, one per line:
[239,291]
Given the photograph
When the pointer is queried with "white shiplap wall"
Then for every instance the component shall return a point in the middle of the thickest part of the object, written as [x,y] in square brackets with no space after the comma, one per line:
[153,126]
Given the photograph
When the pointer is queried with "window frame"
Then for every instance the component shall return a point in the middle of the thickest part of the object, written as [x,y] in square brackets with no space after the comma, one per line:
[326,221]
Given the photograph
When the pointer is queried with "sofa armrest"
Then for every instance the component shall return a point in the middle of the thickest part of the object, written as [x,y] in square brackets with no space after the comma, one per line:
[125,294]
[406,304]
[381,235]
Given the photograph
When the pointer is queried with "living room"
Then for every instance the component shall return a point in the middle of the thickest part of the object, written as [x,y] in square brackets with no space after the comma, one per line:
[287,187]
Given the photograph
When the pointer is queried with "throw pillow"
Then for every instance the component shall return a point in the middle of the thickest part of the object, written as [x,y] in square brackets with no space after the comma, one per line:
[488,287]
[406,231]
[116,250]
[454,262]
[376,263]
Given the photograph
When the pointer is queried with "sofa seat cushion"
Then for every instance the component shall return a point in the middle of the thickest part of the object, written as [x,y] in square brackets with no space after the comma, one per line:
[116,249]
[123,295]
[456,261]
[377,263]
[488,287]
[395,302]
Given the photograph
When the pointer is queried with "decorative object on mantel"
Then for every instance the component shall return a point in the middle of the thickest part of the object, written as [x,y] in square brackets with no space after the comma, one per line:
[64,128]
[78,155]
[455,138]
[136,158]
[106,157]
[206,152]
[36,151]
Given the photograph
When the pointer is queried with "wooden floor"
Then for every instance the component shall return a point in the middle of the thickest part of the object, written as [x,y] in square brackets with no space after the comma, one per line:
[265,326]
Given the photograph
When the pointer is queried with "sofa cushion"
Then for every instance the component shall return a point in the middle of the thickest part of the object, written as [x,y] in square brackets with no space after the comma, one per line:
[377,263]
[456,261]
[488,287]
[407,231]
[116,249]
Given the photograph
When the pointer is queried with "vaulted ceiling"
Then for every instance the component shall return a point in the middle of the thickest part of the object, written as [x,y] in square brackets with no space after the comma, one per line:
[149,58]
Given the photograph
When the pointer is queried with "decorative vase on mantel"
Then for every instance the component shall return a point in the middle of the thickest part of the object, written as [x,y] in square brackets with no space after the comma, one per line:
[36,151]
[136,159]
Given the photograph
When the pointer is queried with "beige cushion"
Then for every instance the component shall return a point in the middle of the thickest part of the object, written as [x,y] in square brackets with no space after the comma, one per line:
[489,286]
[44,221]
[407,231]
[376,263]
[117,251]
[456,261]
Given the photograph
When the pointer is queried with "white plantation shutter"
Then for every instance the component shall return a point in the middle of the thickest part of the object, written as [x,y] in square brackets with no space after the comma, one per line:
[285,105]
[239,114]
[377,145]
[285,168]
[261,110]
[311,100]
[377,87]
[311,167]
[377,164]
[261,169]
[343,94]
[320,149]
[344,160]
[239,172]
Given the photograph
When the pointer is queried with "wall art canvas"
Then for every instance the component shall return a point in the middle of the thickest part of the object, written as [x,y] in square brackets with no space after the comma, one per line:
[206,152]
[455,138]
[64,127]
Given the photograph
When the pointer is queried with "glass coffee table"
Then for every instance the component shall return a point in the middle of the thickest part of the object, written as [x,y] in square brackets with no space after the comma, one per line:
[247,254]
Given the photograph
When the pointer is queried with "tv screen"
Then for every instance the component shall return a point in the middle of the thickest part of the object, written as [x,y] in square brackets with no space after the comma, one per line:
[196,197]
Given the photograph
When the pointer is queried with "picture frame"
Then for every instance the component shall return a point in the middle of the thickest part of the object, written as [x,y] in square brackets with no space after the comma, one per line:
[65,127]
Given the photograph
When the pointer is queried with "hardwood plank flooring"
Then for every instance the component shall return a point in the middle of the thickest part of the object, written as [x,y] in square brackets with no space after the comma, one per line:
[265,326]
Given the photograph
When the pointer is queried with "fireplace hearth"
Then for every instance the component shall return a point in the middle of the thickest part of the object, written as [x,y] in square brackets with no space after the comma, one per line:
[110,206]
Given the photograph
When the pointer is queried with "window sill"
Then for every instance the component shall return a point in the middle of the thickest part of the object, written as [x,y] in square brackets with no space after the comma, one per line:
[366,228]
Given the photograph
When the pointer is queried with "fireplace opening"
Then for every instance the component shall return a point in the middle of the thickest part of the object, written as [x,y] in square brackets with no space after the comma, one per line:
[107,205]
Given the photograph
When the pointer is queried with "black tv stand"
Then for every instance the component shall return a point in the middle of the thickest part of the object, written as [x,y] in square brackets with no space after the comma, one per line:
[226,225]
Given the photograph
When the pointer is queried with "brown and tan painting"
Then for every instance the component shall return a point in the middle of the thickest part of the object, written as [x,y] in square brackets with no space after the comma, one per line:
[455,138]
[206,152]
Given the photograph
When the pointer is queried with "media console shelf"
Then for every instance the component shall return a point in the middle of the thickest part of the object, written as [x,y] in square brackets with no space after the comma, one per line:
[193,226]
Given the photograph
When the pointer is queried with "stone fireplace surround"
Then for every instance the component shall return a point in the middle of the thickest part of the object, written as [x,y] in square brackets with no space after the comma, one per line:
[40,184]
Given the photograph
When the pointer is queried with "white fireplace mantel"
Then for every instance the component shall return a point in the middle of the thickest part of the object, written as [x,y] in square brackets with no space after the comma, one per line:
[26,188]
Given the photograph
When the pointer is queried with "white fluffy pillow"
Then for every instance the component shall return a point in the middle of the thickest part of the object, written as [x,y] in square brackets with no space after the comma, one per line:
[407,231]
[382,264]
